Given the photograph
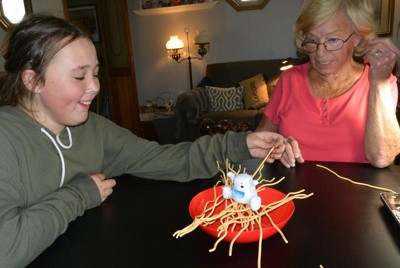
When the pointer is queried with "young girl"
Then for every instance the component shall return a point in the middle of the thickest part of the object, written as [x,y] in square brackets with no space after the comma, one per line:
[56,157]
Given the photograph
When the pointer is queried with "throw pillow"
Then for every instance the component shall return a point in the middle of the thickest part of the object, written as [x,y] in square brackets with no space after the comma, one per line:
[272,83]
[255,92]
[225,99]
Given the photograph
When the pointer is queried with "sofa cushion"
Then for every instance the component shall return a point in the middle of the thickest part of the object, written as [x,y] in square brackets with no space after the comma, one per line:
[225,99]
[251,116]
[206,82]
[230,73]
[272,83]
[255,92]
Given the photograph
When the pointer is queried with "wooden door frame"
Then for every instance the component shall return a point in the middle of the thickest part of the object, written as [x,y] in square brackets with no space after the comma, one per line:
[121,82]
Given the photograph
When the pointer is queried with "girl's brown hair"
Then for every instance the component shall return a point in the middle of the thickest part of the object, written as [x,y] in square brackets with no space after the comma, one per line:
[31,45]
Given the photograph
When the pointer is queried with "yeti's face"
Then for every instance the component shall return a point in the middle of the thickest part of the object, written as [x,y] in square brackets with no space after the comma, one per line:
[244,183]
[243,191]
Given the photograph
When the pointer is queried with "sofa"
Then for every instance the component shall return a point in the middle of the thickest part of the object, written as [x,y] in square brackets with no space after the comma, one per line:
[242,90]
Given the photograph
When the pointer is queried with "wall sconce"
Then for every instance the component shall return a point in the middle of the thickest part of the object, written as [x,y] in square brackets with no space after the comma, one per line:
[175,49]
[202,43]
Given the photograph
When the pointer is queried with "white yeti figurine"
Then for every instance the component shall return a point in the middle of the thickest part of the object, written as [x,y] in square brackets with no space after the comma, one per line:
[243,191]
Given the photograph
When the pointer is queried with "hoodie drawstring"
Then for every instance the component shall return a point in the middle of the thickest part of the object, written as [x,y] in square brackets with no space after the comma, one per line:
[59,151]
[70,140]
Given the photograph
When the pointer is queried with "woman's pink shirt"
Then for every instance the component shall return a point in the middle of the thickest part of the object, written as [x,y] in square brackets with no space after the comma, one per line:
[326,129]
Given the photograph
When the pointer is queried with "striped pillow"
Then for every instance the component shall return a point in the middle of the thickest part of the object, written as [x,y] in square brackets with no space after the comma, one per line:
[225,99]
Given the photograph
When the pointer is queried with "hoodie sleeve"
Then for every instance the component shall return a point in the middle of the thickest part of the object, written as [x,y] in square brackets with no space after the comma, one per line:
[25,231]
[180,162]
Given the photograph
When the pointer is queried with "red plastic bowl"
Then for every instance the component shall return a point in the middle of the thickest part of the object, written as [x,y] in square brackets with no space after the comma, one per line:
[280,215]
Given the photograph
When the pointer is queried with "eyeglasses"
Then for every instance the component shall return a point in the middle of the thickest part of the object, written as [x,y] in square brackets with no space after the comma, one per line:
[331,44]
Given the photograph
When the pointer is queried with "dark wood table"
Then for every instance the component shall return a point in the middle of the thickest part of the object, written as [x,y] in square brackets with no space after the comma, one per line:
[342,225]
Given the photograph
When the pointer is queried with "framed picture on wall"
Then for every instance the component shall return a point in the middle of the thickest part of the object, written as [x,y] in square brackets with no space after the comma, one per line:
[384,16]
[86,17]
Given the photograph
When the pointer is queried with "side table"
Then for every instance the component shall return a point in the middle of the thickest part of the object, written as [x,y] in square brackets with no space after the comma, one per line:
[161,127]
[148,131]
[165,128]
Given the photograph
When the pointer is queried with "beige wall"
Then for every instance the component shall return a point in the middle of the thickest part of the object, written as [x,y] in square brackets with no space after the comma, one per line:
[54,7]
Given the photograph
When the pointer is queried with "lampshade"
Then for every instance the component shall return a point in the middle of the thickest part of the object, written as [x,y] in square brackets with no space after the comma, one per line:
[174,43]
[202,42]
[202,38]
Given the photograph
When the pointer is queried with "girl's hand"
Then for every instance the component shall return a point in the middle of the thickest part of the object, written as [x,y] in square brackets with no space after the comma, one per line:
[261,142]
[104,185]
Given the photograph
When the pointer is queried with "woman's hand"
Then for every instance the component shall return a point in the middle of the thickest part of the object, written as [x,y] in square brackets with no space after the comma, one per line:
[382,55]
[261,142]
[292,153]
[104,185]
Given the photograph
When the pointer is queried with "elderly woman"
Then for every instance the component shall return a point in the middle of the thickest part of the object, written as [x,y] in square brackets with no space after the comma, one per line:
[336,108]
